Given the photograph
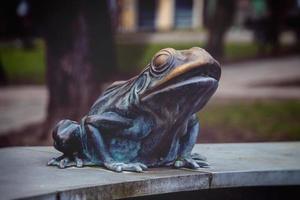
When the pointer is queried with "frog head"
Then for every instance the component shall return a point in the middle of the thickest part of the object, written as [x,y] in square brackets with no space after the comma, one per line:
[178,82]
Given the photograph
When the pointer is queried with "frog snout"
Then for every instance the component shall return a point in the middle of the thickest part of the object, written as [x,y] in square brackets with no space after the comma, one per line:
[201,61]
[213,70]
[195,53]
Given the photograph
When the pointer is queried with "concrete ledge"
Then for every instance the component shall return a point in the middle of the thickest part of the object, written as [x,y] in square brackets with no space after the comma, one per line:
[25,175]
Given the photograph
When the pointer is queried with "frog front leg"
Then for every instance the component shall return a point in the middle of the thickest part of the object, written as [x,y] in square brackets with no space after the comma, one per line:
[185,157]
[110,121]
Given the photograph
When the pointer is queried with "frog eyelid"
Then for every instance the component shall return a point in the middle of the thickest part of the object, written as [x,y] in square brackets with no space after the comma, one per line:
[164,62]
[163,66]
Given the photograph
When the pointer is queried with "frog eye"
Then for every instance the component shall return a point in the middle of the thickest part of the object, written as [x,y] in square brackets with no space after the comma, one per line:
[161,61]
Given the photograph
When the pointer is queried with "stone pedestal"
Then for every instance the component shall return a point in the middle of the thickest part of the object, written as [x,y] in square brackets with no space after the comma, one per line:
[24,173]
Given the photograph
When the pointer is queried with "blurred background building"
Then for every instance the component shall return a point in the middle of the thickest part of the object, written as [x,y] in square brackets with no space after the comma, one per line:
[166,15]
[159,15]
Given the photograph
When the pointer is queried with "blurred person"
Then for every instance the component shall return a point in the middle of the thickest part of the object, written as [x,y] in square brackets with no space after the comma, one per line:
[268,20]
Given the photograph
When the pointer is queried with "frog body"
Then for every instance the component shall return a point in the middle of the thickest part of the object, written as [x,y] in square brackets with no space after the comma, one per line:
[147,121]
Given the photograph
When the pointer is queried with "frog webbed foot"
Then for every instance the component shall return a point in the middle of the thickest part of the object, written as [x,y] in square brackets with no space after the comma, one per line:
[132,167]
[193,161]
[197,156]
[66,161]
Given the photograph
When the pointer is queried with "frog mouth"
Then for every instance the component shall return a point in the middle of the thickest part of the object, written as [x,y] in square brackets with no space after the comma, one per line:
[200,73]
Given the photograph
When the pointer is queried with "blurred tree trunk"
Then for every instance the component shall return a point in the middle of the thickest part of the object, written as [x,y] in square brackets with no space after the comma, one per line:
[278,11]
[80,56]
[3,79]
[218,17]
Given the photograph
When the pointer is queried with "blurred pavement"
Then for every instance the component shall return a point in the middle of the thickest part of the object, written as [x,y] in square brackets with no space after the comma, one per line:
[21,105]
[263,79]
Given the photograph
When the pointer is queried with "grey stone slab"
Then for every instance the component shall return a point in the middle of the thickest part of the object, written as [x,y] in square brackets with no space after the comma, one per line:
[253,164]
[24,174]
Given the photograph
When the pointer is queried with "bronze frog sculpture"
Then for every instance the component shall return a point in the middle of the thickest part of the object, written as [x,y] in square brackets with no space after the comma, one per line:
[147,121]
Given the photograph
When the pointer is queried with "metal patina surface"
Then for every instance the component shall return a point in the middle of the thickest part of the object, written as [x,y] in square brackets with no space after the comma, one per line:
[147,121]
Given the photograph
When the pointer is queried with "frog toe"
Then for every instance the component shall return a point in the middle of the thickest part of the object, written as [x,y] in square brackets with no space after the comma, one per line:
[79,162]
[190,163]
[131,167]
[65,161]
[114,166]
[179,164]
[197,156]
[52,162]
[55,161]
[202,164]
[135,167]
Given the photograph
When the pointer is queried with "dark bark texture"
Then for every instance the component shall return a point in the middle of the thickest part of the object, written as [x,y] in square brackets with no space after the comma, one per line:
[80,56]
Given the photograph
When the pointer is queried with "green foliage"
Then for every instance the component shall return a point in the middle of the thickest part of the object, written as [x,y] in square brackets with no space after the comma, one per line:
[28,65]
[24,65]
[272,120]
[234,51]
[134,57]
